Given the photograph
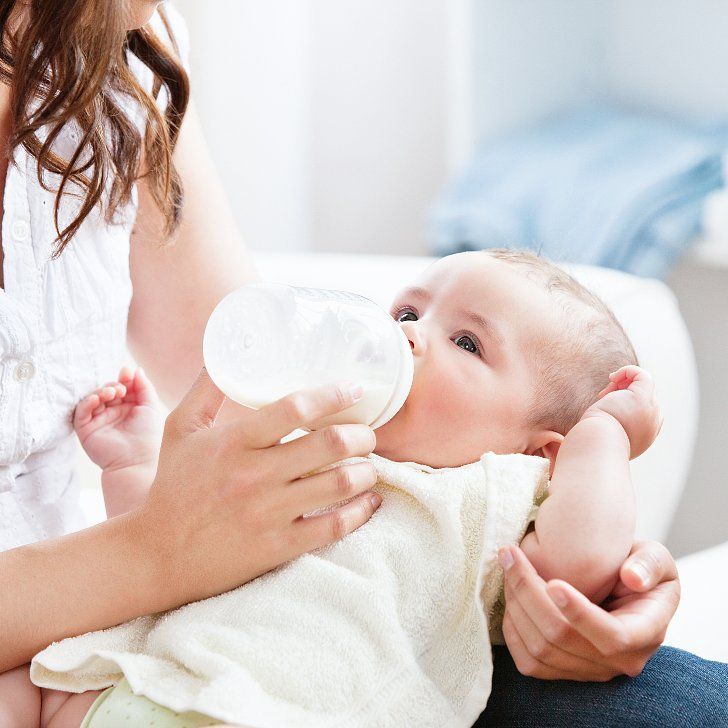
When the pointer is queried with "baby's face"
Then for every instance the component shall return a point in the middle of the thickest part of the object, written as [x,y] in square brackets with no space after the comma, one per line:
[471,321]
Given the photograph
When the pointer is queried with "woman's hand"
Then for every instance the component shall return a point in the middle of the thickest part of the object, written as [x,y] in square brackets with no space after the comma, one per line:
[228,501]
[553,632]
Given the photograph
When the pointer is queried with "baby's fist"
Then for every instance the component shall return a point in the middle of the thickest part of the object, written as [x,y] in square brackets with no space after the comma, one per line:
[118,424]
[630,399]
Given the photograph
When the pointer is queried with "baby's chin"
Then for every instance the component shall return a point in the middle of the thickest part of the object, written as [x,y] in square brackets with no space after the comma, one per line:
[404,440]
[396,443]
[391,444]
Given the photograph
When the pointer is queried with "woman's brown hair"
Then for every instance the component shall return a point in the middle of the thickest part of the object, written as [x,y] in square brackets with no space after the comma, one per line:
[68,61]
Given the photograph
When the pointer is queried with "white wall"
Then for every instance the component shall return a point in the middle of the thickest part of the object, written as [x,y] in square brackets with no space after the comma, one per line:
[251,80]
[327,118]
[535,58]
[670,55]
[379,86]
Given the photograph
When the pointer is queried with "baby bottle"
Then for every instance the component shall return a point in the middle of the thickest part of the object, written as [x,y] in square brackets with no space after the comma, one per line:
[266,340]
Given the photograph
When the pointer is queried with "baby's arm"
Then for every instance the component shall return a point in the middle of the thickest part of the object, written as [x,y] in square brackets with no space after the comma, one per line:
[585,528]
[120,430]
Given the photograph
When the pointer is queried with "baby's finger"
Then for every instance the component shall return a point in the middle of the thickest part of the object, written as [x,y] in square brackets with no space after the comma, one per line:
[620,373]
[105,394]
[633,377]
[126,376]
[611,387]
[83,414]
[108,393]
[113,394]
[143,387]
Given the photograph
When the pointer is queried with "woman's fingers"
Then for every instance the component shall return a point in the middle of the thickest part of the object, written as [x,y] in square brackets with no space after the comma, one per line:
[339,484]
[321,530]
[297,410]
[601,628]
[636,626]
[620,641]
[525,587]
[627,637]
[648,564]
[561,647]
[531,666]
[321,448]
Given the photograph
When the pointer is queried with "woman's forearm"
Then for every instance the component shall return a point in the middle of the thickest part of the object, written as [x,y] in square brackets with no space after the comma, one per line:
[84,581]
[584,529]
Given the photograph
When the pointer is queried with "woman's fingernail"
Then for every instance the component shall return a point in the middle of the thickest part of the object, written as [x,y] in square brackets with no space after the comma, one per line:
[376,500]
[355,391]
[506,559]
[558,596]
[639,571]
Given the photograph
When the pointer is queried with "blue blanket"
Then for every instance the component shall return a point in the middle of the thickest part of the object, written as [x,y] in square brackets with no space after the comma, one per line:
[600,186]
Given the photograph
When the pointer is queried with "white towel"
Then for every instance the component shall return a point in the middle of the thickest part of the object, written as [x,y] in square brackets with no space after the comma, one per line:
[388,627]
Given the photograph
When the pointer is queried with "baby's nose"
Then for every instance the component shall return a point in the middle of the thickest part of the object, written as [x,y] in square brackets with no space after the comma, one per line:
[416,339]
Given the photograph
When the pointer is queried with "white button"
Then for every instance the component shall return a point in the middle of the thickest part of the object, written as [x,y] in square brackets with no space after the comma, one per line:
[20,229]
[24,371]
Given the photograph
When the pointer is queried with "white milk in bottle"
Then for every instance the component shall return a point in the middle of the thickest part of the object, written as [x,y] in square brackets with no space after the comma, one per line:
[266,340]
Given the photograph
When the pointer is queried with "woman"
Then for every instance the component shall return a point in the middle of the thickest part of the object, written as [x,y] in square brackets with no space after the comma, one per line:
[79,77]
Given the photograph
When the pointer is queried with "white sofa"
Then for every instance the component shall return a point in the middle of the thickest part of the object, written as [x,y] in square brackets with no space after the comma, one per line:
[648,311]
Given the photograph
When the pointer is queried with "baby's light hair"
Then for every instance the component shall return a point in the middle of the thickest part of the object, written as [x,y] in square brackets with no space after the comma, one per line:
[573,369]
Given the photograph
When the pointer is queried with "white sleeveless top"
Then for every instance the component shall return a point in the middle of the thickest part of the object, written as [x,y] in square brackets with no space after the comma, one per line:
[62,333]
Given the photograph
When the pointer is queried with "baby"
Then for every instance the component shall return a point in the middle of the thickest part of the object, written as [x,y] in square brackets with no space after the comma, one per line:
[513,358]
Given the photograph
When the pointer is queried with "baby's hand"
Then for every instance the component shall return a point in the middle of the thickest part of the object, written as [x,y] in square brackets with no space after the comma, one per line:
[630,399]
[118,425]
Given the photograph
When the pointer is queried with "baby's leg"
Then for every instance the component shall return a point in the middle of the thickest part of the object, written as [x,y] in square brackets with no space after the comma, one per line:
[65,710]
[19,699]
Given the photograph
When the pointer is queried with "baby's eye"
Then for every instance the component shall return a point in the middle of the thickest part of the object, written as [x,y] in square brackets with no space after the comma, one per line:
[470,345]
[399,315]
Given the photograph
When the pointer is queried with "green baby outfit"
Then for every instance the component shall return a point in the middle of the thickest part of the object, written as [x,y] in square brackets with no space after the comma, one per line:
[118,707]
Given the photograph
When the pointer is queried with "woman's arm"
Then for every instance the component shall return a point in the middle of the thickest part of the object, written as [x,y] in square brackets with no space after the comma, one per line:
[177,284]
[87,580]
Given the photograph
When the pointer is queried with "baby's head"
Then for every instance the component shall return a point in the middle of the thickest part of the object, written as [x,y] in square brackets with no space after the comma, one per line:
[509,353]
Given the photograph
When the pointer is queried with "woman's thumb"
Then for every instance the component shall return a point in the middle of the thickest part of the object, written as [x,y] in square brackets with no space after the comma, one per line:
[200,406]
[649,564]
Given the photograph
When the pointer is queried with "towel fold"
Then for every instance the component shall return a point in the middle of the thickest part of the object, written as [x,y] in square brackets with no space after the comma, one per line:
[600,186]
[387,627]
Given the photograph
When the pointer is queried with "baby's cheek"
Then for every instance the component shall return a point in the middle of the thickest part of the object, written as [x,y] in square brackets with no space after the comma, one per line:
[442,404]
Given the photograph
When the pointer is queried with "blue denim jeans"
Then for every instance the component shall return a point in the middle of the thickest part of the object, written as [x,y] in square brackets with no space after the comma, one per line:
[676,688]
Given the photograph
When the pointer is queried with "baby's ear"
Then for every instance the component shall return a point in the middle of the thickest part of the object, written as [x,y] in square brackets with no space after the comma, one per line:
[546,444]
